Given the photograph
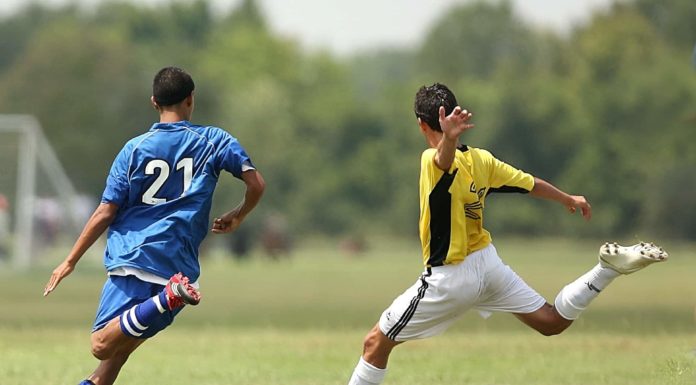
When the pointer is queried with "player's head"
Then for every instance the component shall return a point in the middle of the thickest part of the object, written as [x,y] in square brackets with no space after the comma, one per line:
[428,102]
[172,89]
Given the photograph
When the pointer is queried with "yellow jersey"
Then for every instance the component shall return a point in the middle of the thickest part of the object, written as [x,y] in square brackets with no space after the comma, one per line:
[451,203]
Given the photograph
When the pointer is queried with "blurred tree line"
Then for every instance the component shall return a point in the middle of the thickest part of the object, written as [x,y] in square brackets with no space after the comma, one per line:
[607,110]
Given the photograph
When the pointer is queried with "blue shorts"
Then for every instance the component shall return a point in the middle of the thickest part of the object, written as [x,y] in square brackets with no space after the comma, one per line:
[121,293]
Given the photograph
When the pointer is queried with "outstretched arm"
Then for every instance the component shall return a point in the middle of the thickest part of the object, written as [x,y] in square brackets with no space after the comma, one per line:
[95,227]
[228,222]
[544,189]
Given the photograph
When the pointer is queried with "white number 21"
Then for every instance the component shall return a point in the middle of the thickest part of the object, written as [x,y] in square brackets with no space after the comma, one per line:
[149,195]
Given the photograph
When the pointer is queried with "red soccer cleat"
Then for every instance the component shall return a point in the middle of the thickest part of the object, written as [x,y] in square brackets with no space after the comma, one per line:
[179,292]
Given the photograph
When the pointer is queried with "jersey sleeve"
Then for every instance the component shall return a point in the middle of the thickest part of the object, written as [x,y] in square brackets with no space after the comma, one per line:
[117,183]
[505,178]
[233,158]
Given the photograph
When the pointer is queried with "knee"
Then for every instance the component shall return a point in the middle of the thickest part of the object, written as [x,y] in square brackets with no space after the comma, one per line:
[100,352]
[547,321]
[552,329]
[377,348]
[549,332]
[371,341]
[103,352]
[100,349]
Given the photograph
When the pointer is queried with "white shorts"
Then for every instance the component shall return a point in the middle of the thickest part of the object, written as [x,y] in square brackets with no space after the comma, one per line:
[442,294]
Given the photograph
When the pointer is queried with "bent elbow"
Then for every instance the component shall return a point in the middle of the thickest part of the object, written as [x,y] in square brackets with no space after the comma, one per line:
[261,186]
[257,186]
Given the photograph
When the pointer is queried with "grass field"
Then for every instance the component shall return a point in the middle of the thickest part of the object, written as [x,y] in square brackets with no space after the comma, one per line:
[301,321]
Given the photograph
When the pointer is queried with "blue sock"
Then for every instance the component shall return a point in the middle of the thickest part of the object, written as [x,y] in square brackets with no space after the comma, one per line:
[137,319]
[86,382]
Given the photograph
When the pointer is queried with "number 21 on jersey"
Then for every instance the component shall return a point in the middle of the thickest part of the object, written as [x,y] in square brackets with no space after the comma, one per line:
[163,174]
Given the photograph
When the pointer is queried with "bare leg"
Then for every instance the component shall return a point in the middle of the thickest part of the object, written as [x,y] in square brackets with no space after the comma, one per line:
[108,370]
[112,345]
[545,320]
[372,365]
[110,340]
[112,348]
[570,302]
[377,347]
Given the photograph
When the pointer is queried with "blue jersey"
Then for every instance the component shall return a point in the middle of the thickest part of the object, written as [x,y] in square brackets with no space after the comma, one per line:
[163,183]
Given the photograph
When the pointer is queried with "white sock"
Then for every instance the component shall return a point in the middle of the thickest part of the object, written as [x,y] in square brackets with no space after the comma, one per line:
[575,296]
[366,374]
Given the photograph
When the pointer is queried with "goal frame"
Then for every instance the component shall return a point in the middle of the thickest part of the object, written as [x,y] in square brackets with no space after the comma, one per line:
[34,152]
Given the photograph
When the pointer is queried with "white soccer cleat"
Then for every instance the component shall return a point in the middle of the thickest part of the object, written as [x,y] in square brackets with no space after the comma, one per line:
[629,259]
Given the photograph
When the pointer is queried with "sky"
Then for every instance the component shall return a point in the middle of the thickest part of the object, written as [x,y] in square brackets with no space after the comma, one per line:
[331,25]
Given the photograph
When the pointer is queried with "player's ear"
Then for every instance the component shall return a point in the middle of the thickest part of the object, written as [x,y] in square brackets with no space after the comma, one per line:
[189,100]
[423,125]
[154,103]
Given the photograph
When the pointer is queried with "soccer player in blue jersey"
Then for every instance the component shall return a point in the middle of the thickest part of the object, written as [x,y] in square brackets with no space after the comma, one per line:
[156,208]
[462,268]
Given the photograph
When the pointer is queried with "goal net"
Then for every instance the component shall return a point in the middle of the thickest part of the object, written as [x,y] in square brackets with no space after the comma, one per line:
[39,207]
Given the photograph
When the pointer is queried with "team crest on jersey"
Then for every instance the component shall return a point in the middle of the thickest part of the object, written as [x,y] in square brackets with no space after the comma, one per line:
[473,210]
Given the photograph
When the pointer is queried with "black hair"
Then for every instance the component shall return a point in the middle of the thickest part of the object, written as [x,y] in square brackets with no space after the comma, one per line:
[428,102]
[171,85]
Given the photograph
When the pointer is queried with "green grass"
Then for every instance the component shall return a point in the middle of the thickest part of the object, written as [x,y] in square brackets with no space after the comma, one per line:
[301,321]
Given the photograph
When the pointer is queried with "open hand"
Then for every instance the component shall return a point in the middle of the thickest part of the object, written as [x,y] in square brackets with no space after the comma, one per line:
[60,272]
[455,123]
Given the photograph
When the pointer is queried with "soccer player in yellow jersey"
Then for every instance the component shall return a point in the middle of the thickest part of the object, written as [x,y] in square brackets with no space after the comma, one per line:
[462,268]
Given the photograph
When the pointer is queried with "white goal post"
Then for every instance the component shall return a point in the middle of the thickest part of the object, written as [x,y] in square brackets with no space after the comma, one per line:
[34,153]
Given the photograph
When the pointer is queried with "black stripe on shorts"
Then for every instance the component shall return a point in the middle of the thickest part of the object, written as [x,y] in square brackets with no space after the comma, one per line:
[411,310]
